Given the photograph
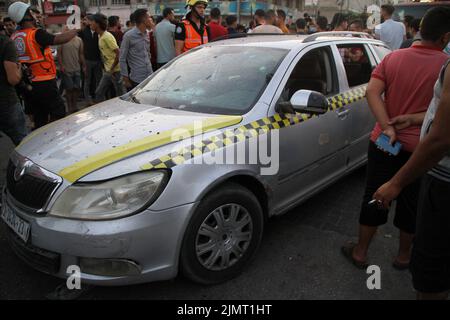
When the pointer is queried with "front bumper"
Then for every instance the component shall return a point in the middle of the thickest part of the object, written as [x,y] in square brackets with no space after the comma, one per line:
[151,239]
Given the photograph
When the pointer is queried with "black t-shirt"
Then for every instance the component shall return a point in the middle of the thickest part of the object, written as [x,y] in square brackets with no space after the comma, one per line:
[44,39]
[180,30]
[90,44]
[8,94]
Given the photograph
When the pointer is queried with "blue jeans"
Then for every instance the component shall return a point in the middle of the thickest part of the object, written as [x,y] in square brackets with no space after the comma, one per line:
[12,122]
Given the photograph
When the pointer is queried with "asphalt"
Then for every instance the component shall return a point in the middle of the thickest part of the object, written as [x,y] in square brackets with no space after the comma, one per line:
[299,258]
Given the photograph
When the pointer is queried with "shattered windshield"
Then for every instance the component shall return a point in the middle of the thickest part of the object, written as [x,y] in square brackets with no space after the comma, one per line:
[216,79]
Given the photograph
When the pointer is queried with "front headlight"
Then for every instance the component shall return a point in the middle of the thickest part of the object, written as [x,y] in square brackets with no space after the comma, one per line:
[111,199]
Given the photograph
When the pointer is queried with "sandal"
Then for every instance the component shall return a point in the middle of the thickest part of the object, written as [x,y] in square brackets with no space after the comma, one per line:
[347,251]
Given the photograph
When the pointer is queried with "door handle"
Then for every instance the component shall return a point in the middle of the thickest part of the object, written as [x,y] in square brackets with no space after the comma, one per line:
[343,114]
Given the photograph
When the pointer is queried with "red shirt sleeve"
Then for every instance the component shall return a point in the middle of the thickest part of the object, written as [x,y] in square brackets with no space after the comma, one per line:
[380,71]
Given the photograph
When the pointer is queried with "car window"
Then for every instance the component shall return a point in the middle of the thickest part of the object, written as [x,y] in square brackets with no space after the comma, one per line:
[315,71]
[358,67]
[381,51]
[213,79]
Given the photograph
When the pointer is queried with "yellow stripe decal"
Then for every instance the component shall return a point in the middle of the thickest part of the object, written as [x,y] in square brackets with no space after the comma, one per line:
[102,159]
[247,131]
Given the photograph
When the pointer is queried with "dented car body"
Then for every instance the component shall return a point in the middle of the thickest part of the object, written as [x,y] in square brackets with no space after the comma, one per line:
[130,190]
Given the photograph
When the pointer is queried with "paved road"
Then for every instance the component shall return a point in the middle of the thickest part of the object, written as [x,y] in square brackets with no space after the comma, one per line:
[299,259]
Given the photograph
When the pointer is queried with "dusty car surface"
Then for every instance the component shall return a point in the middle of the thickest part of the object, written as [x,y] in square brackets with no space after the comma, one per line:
[127,189]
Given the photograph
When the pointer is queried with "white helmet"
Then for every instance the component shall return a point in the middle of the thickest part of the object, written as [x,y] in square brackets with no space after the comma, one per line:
[17,10]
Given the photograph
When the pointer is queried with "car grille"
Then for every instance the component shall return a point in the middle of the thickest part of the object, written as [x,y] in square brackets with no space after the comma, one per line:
[40,259]
[30,191]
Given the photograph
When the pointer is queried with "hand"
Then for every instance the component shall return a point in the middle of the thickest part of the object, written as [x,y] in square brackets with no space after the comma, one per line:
[390,132]
[127,82]
[402,122]
[61,68]
[386,193]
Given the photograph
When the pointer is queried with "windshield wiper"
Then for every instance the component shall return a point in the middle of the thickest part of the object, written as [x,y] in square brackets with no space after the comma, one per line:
[134,99]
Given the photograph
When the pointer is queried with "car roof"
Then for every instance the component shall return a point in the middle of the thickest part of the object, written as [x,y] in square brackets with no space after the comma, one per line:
[289,41]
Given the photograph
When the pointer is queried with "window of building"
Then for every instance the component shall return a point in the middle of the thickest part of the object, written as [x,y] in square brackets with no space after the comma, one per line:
[120,2]
[97,3]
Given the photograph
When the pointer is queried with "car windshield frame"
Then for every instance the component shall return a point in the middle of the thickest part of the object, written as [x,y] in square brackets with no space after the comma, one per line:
[136,94]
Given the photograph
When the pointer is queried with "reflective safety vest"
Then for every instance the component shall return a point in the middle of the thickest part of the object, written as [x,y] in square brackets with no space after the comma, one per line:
[193,39]
[29,52]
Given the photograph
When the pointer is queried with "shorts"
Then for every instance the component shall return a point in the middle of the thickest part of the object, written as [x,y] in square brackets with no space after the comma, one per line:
[71,80]
[381,167]
[430,259]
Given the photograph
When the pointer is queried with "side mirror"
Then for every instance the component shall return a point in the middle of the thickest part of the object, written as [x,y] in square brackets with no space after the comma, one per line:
[312,102]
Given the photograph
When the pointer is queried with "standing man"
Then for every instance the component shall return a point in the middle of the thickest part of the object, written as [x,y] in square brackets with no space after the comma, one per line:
[339,22]
[12,118]
[356,26]
[135,61]
[322,24]
[430,258]
[269,25]
[393,33]
[414,31]
[192,31]
[301,26]
[399,94]
[215,25]
[71,61]
[165,38]
[282,21]
[93,60]
[33,50]
[260,17]
[110,56]
[115,28]
[231,24]
[10,26]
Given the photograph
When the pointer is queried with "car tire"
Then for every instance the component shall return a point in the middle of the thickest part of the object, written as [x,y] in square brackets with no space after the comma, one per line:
[222,201]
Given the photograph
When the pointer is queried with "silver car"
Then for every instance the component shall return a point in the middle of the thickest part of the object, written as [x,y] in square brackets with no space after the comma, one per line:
[130,191]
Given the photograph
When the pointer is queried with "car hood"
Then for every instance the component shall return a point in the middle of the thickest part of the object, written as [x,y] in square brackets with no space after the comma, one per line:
[109,132]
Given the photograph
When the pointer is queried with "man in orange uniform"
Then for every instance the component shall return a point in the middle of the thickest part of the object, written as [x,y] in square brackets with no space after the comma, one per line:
[192,31]
[33,50]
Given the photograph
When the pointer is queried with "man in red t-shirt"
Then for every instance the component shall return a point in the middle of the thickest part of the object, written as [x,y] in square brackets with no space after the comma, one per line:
[215,28]
[406,78]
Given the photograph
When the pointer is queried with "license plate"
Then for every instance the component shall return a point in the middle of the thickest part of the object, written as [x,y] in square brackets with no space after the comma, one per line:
[19,226]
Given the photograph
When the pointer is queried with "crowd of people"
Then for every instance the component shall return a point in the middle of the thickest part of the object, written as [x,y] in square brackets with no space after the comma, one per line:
[101,61]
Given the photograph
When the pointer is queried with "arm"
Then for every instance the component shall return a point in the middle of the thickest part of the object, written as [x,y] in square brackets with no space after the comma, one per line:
[179,47]
[123,61]
[82,60]
[59,56]
[374,92]
[12,68]
[116,60]
[427,154]
[180,37]
[13,73]
[65,36]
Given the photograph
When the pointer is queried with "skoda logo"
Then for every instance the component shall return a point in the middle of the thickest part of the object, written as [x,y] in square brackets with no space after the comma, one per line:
[21,169]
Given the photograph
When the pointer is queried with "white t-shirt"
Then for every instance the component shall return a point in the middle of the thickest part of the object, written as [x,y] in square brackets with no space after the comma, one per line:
[267,28]
[391,32]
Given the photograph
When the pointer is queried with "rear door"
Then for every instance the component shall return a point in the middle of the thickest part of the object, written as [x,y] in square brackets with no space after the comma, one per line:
[357,63]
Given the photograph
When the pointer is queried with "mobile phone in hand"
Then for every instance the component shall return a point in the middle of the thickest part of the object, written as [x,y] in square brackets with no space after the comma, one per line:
[383,143]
